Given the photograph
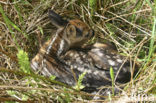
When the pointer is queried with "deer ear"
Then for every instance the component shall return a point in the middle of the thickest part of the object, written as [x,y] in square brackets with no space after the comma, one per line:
[56,19]
[71,30]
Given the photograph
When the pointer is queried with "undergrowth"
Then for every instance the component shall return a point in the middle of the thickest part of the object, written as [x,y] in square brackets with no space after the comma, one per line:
[127,24]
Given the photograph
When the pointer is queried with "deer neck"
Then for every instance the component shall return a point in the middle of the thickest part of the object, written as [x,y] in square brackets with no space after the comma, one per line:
[57,45]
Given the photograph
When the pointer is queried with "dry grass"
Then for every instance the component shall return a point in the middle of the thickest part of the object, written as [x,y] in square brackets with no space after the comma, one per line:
[125,23]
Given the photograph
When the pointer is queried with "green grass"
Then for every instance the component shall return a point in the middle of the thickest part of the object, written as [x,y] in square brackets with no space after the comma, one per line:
[112,78]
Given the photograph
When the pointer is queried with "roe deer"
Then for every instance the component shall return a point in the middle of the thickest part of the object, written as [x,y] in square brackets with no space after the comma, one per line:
[56,56]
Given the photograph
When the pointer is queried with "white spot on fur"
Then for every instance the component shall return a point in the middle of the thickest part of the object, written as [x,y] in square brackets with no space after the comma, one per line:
[71,54]
[97,51]
[108,56]
[76,55]
[103,73]
[87,85]
[80,62]
[100,54]
[81,69]
[119,60]
[51,43]
[87,71]
[75,66]
[78,59]
[34,65]
[96,72]
[61,47]
[46,72]
[68,63]
[115,57]
[115,68]
[111,62]
[118,56]
[84,56]
[112,53]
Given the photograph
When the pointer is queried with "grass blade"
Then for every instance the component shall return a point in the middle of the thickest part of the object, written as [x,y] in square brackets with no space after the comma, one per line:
[112,77]
[153,38]
[9,23]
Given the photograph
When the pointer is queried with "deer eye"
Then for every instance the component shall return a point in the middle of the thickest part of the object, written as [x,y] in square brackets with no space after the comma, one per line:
[78,32]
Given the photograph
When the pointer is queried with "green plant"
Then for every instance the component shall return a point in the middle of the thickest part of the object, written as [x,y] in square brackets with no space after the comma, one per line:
[112,77]
[92,4]
[23,61]
[79,84]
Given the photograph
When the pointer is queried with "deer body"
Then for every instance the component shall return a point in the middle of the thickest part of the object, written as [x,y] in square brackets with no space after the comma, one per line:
[56,57]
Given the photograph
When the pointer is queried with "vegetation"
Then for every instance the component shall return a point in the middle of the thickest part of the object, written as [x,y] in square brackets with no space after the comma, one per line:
[128,24]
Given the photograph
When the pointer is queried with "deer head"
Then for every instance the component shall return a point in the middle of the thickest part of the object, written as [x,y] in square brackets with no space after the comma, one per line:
[69,34]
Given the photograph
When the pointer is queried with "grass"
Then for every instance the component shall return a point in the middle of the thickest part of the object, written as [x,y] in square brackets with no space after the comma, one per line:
[129,25]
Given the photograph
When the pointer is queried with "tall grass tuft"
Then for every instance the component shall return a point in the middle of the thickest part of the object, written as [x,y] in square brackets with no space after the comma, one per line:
[93,6]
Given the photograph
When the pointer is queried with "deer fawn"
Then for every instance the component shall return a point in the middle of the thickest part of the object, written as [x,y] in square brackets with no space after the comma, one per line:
[56,56]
